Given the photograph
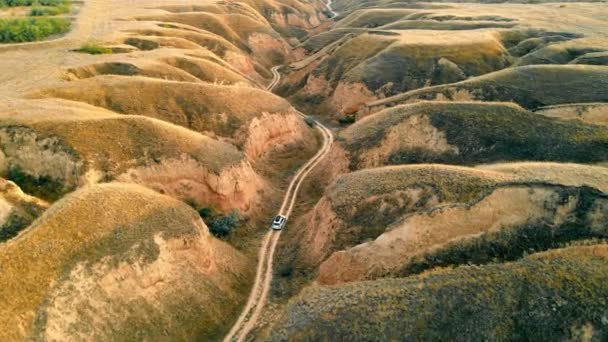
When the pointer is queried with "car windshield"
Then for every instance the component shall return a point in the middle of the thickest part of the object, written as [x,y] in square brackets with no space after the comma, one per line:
[277,219]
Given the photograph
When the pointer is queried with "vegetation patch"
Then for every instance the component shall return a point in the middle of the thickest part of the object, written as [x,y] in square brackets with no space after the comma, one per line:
[41,11]
[40,186]
[557,295]
[31,29]
[12,226]
[94,49]
[14,3]
[221,225]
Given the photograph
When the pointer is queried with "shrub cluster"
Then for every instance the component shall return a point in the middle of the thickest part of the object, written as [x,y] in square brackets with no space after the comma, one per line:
[220,225]
[49,10]
[39,25]
[31,29]
[14,3]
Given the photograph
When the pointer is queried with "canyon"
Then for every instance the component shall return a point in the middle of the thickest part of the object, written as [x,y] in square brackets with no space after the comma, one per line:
[442,166]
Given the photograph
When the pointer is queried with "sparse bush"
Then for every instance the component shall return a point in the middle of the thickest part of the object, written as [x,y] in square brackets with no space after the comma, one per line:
[347,120]
[310,121]
[13,225]
[94,49]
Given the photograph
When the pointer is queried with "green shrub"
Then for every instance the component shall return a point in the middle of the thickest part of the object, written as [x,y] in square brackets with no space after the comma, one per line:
[31,29]
[40,186]
[13,225]
[224,225]
[94,49]
[220,225]
[49,10]
[347,120]
[310,121]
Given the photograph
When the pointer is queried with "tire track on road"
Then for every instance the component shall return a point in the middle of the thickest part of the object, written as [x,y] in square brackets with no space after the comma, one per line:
[263,280]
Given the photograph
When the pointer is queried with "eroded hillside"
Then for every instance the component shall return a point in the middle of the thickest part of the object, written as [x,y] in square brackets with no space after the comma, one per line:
[443,167]
[387,55]
[140,128]
[471,153]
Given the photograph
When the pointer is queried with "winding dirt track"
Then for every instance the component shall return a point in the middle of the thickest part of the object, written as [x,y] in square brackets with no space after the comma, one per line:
[261,286]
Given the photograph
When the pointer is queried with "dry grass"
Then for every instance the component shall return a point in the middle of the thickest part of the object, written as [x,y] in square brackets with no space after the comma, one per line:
[122,223]
[59,146]
[553,85]
[434,44]
[570,51]
[508,207]
[452,184]
[469,132]
[371,18]
[557,173]
[373,203]
[553,295]
[407,59]
[17,209]
[594,113]
[217,109]
[123,139]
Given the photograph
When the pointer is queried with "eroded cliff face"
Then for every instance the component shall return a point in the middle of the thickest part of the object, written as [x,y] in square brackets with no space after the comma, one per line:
[303,22]
[322,225]
[17,209]
[275,132]
[348,98]
[270,48]
[506,208]
[26,154]
[94,300]
[414,132]
[235,187]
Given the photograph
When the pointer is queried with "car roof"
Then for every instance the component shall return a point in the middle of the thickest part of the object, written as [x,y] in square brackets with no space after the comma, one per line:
[279,218]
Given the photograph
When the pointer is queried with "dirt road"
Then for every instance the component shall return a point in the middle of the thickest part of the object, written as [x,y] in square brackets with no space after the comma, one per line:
[259,293]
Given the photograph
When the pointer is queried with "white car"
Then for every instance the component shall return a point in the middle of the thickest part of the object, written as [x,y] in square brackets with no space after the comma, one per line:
[279,222]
